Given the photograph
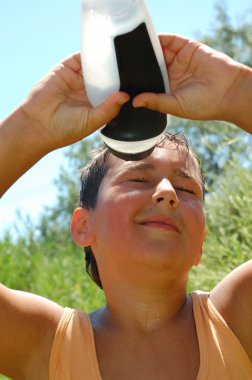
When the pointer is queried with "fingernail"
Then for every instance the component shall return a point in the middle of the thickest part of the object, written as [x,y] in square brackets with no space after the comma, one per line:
[123,101]
[140,103]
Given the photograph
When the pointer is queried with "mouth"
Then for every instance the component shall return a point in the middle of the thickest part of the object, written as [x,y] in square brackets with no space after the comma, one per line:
[160,222]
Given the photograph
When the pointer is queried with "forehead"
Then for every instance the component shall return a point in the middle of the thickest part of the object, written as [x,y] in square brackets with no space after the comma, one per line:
[169,156]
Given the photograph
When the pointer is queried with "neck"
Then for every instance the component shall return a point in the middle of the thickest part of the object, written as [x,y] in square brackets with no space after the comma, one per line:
[145,308]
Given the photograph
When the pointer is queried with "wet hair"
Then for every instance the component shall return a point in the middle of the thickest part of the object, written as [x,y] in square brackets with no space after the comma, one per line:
[92,176]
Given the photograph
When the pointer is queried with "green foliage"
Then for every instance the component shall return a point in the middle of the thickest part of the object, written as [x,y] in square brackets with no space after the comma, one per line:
[234,40]
[231,206]
[52,270]
[229,227]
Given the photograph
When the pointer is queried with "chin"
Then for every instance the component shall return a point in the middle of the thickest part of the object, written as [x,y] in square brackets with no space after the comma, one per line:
[158,258]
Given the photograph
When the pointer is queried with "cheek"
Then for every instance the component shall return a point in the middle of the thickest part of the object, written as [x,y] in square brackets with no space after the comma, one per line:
[123,204]
[116,214]
[195,215]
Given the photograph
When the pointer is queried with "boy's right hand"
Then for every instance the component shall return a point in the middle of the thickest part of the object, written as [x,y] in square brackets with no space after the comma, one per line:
[205,84]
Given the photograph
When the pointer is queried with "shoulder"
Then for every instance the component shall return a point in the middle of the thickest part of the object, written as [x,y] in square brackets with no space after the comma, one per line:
[27,328]
[232,297]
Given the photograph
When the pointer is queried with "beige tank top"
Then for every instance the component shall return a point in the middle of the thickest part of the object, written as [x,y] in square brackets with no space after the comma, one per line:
[222,356]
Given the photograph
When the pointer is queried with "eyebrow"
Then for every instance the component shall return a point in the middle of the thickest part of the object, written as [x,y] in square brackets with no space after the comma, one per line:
[139,166]
[184,174]
[146,166]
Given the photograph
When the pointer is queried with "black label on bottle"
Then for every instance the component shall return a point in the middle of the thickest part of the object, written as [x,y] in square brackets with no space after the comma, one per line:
[139,72]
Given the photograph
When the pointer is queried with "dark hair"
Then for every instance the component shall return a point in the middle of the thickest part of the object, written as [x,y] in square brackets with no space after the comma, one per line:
[92,176]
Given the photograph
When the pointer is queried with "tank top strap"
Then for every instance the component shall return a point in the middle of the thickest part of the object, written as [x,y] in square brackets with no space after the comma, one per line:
[73,354]
[221,353]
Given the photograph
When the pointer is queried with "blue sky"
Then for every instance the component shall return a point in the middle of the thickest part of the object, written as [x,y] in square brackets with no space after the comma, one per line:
[35,35]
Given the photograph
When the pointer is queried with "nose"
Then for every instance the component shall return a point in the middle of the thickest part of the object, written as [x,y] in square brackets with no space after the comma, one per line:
[165,194]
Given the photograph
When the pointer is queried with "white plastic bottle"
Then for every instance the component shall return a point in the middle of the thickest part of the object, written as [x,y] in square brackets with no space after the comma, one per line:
[121,51]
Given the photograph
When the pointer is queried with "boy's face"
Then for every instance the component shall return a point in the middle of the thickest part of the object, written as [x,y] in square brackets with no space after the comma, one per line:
[150,212]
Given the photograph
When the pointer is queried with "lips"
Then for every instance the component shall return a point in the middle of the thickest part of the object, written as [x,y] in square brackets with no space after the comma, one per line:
[160,221]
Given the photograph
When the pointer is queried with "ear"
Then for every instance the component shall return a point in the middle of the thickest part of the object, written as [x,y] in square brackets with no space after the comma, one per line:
[80,227]
[197,261]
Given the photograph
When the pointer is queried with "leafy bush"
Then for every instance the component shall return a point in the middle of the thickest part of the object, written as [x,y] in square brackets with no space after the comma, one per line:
[51,270]
[229,227]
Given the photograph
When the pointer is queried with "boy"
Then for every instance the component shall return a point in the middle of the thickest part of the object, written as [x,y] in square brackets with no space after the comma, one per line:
[145,227]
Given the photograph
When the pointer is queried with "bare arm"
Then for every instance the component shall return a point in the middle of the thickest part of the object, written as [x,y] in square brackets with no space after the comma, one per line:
[27,327]
[205,84]
[232,297]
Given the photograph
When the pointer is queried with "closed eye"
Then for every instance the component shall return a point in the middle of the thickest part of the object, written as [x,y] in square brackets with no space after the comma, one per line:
[138,180]
[185,190]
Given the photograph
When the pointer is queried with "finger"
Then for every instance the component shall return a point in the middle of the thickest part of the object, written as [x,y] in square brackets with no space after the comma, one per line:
[163,103]
[70,71]
[73,62]
[107,111]
[173,42]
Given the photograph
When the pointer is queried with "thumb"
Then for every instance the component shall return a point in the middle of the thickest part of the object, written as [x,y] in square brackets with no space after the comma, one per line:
[106,111]
[164,103]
